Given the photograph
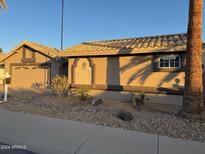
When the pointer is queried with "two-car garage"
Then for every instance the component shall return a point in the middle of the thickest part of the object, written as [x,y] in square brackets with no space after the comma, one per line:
[28,76]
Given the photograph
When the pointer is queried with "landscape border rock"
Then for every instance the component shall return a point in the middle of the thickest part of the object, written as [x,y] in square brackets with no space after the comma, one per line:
[124,115]
[96,101]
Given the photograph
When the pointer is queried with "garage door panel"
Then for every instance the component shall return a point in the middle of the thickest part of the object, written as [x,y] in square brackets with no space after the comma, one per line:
[26,76]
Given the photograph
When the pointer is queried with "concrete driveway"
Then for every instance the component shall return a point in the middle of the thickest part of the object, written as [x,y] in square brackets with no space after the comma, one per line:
[53,136]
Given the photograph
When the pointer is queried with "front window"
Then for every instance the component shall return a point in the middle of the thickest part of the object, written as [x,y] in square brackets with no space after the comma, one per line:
[170,61]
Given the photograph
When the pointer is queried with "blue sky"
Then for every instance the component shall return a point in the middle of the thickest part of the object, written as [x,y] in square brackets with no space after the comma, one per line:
[88,20]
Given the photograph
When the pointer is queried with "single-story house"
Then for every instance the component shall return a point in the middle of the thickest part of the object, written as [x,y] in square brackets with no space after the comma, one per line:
[30,63]
[152,64]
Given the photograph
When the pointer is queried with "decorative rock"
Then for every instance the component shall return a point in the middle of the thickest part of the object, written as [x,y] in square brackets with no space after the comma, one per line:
[96,101]
[124,115]
[148,121]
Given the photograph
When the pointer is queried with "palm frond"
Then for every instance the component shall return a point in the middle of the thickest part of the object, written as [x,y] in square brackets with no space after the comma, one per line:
[3,4]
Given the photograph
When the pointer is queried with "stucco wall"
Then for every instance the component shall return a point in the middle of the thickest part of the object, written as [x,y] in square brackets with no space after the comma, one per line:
[138,71]
[17,58]
[1,75]
[40,59]
[131,71]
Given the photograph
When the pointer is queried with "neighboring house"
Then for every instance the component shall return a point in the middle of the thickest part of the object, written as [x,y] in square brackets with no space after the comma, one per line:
[30,63]
[152,64]
[2,56]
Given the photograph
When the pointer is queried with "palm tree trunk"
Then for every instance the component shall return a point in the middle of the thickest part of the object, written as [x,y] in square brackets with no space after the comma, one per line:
[193,91]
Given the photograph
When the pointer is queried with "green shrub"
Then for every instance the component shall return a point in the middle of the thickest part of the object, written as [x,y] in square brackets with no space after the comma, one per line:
[134,103]
[142,96]
[59,85]
[83,92]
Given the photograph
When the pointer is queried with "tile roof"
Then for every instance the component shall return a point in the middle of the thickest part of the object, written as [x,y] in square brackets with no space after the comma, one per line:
[2,56]
[51,52]
[162,43]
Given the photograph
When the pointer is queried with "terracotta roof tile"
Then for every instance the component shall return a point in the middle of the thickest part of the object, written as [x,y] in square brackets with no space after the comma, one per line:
[51,52]
[2,56]
[172,42]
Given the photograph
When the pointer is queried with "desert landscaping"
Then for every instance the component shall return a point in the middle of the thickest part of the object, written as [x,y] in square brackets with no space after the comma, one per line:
[151,118]
[87,77]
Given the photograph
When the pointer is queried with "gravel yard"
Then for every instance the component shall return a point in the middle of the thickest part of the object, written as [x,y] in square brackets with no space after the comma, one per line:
[148,120]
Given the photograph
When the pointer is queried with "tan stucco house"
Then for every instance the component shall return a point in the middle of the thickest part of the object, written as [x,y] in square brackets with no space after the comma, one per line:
[152,64]
[30,63]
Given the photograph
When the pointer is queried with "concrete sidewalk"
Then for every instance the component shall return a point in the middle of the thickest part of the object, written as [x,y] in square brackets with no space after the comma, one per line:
[53,136]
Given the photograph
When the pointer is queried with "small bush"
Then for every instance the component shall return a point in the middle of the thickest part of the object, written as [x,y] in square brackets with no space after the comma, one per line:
[142,96]
[38,85]
[59,85]
[137,101]
[83,92]
[134,104]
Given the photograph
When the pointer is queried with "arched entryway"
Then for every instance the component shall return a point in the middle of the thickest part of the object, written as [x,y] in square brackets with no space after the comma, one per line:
[83,72]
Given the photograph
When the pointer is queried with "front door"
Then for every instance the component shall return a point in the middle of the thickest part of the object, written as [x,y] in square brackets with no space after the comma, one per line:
[83,72]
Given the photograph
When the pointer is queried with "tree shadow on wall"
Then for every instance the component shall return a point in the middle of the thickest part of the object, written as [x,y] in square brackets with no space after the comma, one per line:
[146,71]
[143,73]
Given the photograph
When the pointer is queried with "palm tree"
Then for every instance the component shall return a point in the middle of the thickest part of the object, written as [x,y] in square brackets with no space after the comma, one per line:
[193,91]
[3,4]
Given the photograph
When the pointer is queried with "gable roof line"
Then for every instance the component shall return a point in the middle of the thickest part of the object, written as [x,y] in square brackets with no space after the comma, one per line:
[35,46]
[2,56]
